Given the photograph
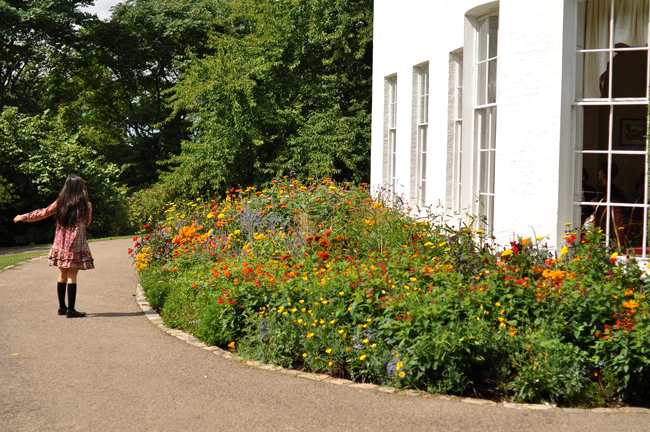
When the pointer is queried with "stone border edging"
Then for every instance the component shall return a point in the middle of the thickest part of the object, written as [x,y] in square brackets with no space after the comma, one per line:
[157,320]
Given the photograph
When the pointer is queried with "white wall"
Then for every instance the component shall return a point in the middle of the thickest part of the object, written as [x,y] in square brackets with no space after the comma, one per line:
[529,118]
[530,133]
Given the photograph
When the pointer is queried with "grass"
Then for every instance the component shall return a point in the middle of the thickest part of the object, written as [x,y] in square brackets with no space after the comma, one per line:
[13,259]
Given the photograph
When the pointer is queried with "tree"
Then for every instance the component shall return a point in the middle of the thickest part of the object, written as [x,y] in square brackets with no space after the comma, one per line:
[120,75]
[33,34]
[37,153]
[287,89]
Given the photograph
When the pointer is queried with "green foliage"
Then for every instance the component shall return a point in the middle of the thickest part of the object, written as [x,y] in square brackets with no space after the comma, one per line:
[37,153]
[33,34]
[117,80]
[325,278]
[287,89]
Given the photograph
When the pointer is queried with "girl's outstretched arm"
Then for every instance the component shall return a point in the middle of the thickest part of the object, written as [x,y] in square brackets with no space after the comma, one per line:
[37,215]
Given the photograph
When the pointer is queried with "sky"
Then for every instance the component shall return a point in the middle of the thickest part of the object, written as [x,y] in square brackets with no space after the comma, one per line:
[102,8]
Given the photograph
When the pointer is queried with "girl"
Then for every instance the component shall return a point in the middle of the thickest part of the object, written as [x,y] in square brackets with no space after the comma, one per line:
[70,251]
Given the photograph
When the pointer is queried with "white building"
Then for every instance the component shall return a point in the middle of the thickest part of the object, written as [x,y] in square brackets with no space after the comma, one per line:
[495,109]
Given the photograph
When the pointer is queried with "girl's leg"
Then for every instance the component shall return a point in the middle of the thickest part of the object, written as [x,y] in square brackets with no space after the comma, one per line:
[60,290]
[71,274]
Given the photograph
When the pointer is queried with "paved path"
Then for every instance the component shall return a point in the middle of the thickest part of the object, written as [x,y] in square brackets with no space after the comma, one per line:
[115,371]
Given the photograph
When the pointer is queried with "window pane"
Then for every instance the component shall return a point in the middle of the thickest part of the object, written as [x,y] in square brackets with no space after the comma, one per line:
[630,127]
[492,82]
[423,174]
[481,81]
[486,209]
[631,23]
[597,24]
[483,28]
[628,174]
[493,37]
[596,128]
[594,79]
[493,127]
[459,103]
[629,74]
[485,164]
[483,129]
[423,138]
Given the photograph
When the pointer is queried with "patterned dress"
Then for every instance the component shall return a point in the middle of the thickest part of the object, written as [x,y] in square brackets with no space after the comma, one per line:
[70,248]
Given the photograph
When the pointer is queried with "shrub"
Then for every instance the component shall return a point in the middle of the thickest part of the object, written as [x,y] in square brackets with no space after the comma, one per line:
[327,278]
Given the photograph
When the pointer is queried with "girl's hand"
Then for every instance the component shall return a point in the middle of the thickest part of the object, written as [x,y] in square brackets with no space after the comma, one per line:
[17,218]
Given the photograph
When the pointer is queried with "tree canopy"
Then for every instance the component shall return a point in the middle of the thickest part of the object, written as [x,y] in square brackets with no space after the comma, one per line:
[178,97]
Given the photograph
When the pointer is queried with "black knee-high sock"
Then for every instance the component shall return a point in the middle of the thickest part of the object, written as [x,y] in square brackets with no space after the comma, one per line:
[60,290]
[72,295]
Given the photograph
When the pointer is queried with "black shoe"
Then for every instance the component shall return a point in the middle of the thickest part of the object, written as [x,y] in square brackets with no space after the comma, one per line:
[74,314]
[63,311]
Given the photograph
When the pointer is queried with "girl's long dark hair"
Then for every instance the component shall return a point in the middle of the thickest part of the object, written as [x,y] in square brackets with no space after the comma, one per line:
[72,204]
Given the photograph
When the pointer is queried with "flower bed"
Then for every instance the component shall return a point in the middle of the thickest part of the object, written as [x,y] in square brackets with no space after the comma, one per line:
[323,277]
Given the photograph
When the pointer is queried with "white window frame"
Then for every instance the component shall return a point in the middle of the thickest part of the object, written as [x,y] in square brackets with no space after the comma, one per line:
[579,103]
[457,131]
[421,126]
[390,128]
[485,111]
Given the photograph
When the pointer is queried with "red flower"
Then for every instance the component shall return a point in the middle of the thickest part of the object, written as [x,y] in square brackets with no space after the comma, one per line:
[130,251]
[135,238]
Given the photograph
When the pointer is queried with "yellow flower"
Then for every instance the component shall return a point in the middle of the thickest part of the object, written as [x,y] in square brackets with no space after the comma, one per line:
[301,301]
[363,357]
[221,216]
[310,335]
[300,321]
[231,345]
[341,293]
[331,363]
[328,350]
[304,354]
[614,255]
[399,366]
[506,252]
[373,345]
[497,304]
[564,251]
[479,231]
[401,374]
[332,322]
[396,355]
[341,331]
[412,279]
[366,341]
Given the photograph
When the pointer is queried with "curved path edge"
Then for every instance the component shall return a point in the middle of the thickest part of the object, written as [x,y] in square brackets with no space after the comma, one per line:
[157,320]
